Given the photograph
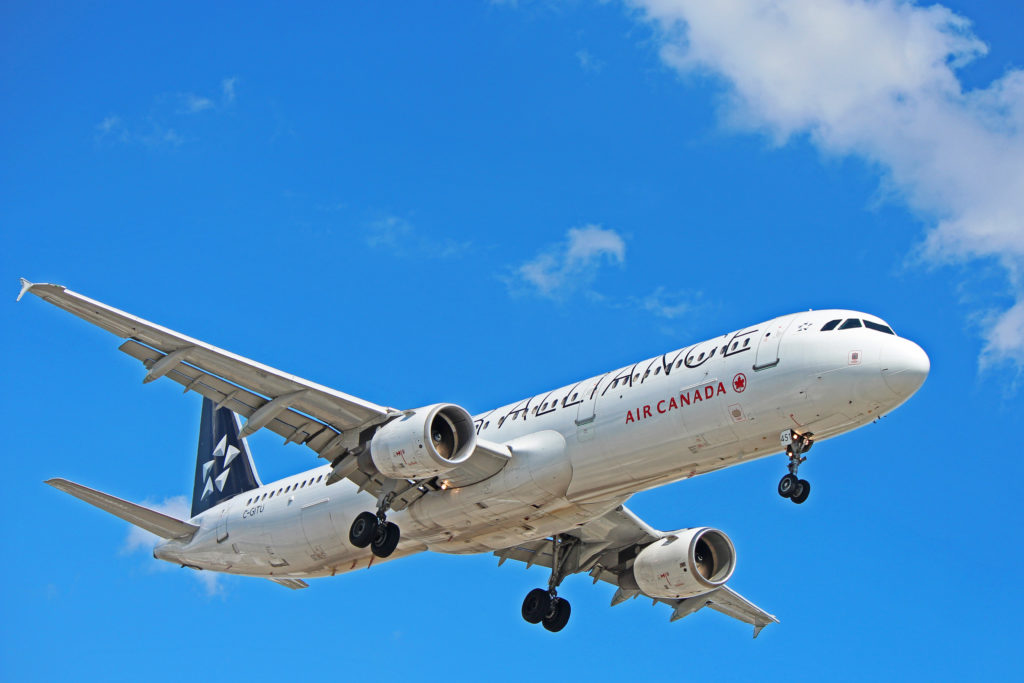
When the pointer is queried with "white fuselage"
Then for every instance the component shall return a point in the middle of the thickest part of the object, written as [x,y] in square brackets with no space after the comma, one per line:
[695,410]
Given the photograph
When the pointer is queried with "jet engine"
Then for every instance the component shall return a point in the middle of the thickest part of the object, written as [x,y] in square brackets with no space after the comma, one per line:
[424,442]
[683,564]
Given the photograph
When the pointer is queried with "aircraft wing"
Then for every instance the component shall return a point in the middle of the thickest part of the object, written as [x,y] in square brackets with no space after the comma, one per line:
[326,420]
[597,548]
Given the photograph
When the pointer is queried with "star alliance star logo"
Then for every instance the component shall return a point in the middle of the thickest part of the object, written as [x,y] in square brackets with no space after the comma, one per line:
[223,450]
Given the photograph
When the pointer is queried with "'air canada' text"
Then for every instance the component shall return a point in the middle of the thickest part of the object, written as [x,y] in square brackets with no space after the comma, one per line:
[685,398]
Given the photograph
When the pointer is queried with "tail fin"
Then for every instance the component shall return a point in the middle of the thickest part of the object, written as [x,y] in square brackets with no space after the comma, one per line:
[223,464]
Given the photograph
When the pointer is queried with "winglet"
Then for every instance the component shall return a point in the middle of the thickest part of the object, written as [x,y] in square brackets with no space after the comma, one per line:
[25,286]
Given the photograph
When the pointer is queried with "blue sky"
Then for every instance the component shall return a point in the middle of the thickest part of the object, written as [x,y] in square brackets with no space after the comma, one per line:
[473,204]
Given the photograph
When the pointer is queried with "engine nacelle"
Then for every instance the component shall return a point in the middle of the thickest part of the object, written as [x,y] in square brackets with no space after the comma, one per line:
[424,442]
[684,564]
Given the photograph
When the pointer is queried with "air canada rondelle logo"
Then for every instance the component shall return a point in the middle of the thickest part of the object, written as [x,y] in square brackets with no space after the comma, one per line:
[739,383]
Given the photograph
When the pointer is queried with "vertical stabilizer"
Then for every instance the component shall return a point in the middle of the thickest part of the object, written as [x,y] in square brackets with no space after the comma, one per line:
[223,463]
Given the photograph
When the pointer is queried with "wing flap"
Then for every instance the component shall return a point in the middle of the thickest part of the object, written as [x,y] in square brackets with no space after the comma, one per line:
[290,424]
[152,521]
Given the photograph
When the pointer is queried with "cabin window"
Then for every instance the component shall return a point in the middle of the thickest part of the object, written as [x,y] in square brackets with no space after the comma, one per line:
[746,342]
[850,324]
[657,370]
[636,376]
[271,494]
[701,356]
[574,396]
[487,424]
[319,478]
[679,363]
[830,325]
[878,327]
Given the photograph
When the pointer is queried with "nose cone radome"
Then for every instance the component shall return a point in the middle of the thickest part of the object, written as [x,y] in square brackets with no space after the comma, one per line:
[905,366]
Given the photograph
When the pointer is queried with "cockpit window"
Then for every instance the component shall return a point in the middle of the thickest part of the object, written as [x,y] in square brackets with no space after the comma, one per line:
[851,323]
[830,325]
[878,326]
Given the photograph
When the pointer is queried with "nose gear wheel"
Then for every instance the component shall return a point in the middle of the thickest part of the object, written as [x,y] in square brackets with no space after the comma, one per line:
[791,486]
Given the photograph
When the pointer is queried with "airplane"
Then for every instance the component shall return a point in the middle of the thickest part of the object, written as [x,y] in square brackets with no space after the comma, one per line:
[541,481]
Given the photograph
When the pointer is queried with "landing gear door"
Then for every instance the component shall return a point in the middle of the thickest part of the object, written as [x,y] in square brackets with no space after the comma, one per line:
[768,344]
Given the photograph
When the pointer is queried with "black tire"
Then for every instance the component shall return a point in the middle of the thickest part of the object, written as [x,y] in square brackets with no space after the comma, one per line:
[787,485]
[536,605]
[386,539]
[560,611]
[363,529]
[803,489]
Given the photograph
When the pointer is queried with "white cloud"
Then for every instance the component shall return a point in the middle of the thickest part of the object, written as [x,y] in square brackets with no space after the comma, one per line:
[665,304]
[399,236]
[588,62]
[140,539]
[573,264]
[227,87]
[154,130]
[877,80]
[108,125]
[114,129]
[193,104]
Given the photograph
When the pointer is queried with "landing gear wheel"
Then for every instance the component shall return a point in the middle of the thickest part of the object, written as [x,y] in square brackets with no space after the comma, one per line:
[385,540]
[802,490]
[537,605]
[558,617]
[788,486]
[363,529]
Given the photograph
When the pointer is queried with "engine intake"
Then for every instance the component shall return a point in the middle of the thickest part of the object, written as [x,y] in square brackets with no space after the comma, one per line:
[424,442]
[684,564]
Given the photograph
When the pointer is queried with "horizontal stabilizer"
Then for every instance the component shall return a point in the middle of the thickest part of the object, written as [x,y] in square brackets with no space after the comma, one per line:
[152,521]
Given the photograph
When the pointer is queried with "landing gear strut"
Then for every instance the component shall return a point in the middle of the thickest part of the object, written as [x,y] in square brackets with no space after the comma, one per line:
[790,486]
[544,606]
[369,529]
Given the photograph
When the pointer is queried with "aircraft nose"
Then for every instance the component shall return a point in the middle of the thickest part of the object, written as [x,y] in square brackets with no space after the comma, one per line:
[905,366]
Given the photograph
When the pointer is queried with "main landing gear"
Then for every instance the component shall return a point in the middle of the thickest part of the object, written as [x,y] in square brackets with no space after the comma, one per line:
[544,606]
[796,445]
[369,529]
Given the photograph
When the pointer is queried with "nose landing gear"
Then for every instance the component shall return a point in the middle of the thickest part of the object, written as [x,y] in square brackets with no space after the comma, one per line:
[790,486]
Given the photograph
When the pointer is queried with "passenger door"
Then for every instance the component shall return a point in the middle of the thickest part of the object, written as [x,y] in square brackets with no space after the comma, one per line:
[587,410]
[768,344]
